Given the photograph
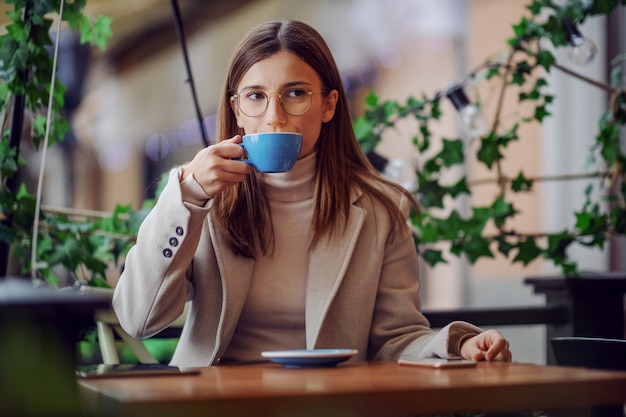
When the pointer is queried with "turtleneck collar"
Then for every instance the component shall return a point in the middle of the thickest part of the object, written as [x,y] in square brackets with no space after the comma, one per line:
[293,185]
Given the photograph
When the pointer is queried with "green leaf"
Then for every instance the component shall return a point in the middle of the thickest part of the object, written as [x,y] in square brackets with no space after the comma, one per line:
[431,195]
[501,211]
[518,78]
[363,127]
[6,234]
[49,277]
[451,153]
[504,247]
[535,7]
[435,109]
[433,257]
[452,227]
[558,244]
[489,151]
[570,269]
[583,220]
[429,232]
[39,124]
[540,113]
[527,251]
[371,100]
[476,224]
[458,188]
[423,145]
[18,32]
[521,29]
[556,31]
[521,183]
[602,7]
[492,72]
[545,59]
[102,31]
[22,192]
[475,247]
[618,219]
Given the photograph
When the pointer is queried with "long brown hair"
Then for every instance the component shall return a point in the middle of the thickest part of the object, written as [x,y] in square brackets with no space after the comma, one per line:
[242,211]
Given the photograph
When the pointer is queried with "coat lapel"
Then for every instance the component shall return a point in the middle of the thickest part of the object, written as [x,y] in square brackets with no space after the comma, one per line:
[236,273]
[327,266]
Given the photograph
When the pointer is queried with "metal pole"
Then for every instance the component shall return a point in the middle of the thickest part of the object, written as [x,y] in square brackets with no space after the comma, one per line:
[180,31]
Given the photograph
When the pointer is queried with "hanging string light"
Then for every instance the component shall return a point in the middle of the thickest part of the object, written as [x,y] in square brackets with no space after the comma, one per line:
[472,121]
[581,50]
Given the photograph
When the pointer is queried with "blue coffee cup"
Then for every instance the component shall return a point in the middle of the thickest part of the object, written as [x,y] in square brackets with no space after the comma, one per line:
[272,151]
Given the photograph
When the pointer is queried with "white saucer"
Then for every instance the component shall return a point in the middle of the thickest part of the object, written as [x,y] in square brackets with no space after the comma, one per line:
[309,358]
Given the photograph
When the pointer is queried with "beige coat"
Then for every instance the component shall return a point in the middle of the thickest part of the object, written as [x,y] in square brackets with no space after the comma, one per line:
[362,288]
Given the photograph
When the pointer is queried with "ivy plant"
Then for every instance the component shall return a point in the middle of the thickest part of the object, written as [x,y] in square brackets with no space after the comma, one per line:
[81,249]
[471,234]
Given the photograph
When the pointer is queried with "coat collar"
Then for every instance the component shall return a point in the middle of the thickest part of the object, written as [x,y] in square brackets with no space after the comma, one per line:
[328,263]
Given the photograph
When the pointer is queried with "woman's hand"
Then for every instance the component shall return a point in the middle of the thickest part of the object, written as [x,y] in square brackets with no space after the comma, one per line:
[214,168]
[489,345]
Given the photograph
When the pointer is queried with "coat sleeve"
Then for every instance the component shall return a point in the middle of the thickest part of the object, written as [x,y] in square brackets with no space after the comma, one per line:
[156,282]
[399,329]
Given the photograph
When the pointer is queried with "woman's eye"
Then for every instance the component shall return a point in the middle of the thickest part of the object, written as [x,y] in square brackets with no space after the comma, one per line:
[294,93]
[255,95]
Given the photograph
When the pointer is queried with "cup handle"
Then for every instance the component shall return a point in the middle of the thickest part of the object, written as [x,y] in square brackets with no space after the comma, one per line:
[241,159]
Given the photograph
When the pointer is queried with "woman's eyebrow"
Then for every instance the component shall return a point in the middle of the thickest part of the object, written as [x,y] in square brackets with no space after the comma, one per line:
[252,87]
[295,83]
[286,85]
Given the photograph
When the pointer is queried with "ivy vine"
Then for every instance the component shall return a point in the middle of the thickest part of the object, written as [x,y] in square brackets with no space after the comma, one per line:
[525,68]
[81,249]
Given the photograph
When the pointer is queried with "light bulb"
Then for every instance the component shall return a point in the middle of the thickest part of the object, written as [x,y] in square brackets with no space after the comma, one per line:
[581,50]
[401,172]
[473,123]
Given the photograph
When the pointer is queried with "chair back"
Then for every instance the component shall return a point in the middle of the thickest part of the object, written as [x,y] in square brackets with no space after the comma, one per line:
[590,352]
[593,352]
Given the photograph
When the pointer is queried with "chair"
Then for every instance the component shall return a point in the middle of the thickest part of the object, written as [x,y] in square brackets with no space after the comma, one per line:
[108,329]
[590,352]
[108,326]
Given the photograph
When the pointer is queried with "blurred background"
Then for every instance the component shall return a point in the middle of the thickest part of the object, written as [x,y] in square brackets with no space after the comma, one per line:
[133,118]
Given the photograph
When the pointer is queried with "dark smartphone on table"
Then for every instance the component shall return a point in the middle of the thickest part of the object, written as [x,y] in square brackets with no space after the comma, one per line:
[132,369]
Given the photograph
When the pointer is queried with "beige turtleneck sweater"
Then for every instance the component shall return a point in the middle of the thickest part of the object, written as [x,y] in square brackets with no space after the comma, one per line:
[273,315]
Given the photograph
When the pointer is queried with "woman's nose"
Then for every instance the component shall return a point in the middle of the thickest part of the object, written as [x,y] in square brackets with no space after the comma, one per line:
[275,114]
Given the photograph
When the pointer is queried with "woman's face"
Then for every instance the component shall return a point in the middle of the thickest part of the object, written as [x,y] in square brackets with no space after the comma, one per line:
[285,73]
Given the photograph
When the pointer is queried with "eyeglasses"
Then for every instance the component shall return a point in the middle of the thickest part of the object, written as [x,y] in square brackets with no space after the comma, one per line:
[295,101]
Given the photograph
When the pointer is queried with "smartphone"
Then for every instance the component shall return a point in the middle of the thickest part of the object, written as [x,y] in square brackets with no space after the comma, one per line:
[439,363]
[131,369]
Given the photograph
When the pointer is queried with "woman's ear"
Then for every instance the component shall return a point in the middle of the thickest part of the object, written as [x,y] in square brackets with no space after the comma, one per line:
[330,104]
[235,110]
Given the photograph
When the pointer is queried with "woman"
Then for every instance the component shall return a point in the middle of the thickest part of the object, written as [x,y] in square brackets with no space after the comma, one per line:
[318,257]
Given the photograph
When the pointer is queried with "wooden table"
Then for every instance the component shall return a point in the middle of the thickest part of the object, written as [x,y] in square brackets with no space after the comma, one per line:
[353,389]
